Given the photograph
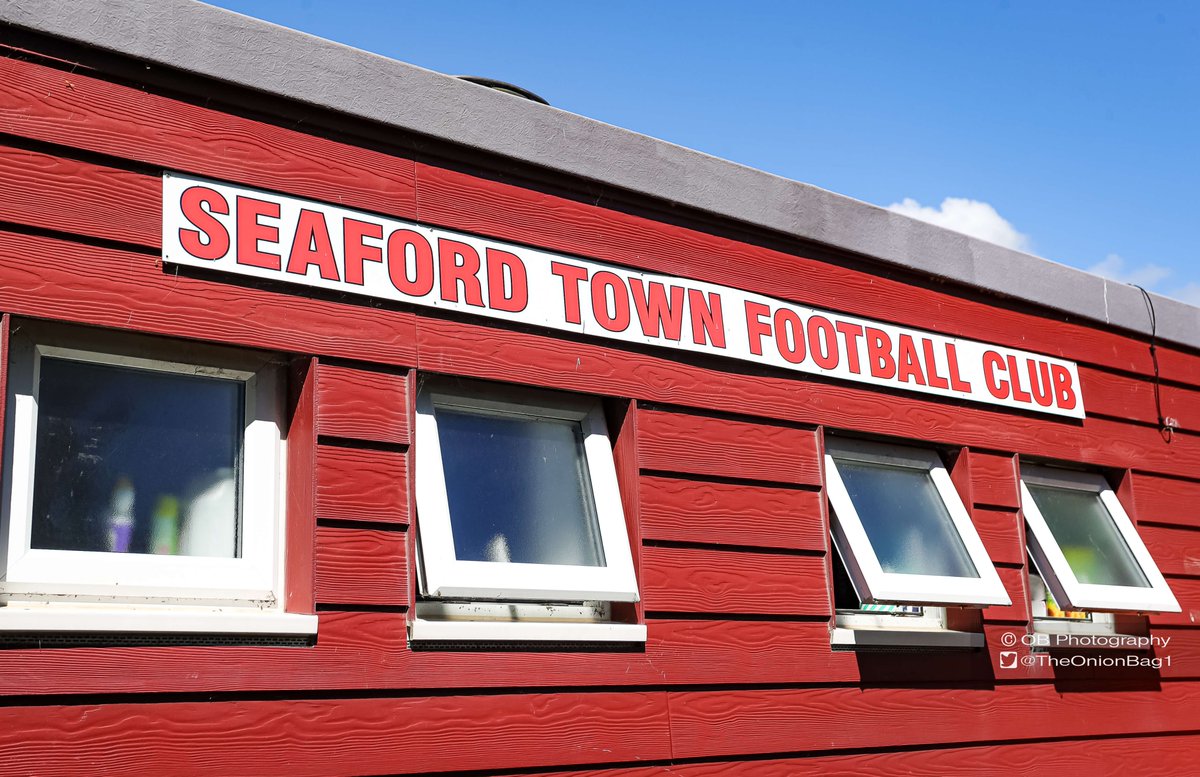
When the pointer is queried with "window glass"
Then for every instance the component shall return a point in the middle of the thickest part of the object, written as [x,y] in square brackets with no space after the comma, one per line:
[136,461]
[905,519]
[518,489]
[1088,537]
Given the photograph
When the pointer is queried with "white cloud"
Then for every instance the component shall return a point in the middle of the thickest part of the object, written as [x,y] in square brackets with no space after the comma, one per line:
[1189,294]
[971,217]
[1114,268]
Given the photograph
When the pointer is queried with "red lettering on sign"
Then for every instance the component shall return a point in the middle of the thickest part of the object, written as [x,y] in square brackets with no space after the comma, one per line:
[210,239]
[909,369]
[421,281]
[357,252]
[1064,387]
[658,315]
[250,231]
[1039,382]
[789,335]
[609,286]
[931,373]
[822,343]
[311,245]
[996,386]
[458,264]
[879,354]
[1018,392]
[956,381]
[508,283]
[850,334]
[708,322]
[569,272]
[755,327]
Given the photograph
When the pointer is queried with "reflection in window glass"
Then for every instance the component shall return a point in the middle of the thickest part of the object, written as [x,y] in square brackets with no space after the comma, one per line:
[903,515]
[1088,537]
[518,489]
[136,461]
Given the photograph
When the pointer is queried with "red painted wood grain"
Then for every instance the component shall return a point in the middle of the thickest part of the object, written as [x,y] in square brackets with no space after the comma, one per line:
[727,514]
[363,404]
[57,279]
[362,484]
[1176,550]
[361,566]
[300,534]
[720,581]
[698,445]
[994,480]
[333,737]
[1166,500]
[78,110]
[1000,532]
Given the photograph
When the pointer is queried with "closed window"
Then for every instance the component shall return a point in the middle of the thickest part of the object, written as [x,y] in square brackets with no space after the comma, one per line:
[140,473]
[518,504]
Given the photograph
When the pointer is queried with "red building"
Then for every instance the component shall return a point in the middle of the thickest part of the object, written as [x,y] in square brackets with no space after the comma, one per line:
[361,420]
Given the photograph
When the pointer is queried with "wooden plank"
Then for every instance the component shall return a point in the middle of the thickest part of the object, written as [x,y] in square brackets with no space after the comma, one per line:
[66,281]
[461,348]
[300,534]
[362,484]
[1115,757]
[363,404]
[1016,583]
[361,566]
[698,445]
[1166,500]
[331,737]
[730,514]
[1000,531]
[73,109]
[733,582]
[1176,551]
[1187,593]
[994,480]
[623,418]
[732,722]
[67,195]
[510,212]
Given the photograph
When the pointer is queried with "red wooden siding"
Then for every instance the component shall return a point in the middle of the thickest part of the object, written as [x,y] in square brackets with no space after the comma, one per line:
[720,475]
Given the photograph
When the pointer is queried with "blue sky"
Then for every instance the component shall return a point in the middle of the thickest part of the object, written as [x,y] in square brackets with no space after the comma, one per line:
[1067,129]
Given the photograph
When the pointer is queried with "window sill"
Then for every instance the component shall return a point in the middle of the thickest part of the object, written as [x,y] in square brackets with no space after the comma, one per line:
[99,618]
[420,630]
[867,639]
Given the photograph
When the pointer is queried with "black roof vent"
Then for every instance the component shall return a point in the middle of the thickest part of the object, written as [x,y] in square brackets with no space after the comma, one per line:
[503,86]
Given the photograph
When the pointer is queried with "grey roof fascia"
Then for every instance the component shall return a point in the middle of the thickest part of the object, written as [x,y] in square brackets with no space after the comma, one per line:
[217,44]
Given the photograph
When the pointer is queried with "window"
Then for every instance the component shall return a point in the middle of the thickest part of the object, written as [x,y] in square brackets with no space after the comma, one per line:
[142,474]
[519,516]
[901,529]
[1085,548]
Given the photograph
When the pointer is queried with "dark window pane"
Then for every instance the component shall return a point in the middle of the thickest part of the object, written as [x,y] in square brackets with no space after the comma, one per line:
[136,461]
[904,517]
[518,489]
[1088,537]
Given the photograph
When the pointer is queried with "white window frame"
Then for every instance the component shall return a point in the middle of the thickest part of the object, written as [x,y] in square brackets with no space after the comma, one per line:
[50,589]
[870,582]
[444,576]
[1056,572]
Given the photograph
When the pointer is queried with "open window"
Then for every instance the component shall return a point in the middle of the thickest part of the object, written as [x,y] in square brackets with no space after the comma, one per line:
[1085,548]
[143,488]
[522,533]
[901,529]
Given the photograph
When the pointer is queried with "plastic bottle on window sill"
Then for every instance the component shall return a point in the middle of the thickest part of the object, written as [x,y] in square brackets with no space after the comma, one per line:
[164,530]
[120,516]
[209,526]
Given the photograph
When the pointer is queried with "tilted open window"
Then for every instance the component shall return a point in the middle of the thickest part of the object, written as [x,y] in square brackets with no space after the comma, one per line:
[518,503]
[902,530]
[1084,546]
